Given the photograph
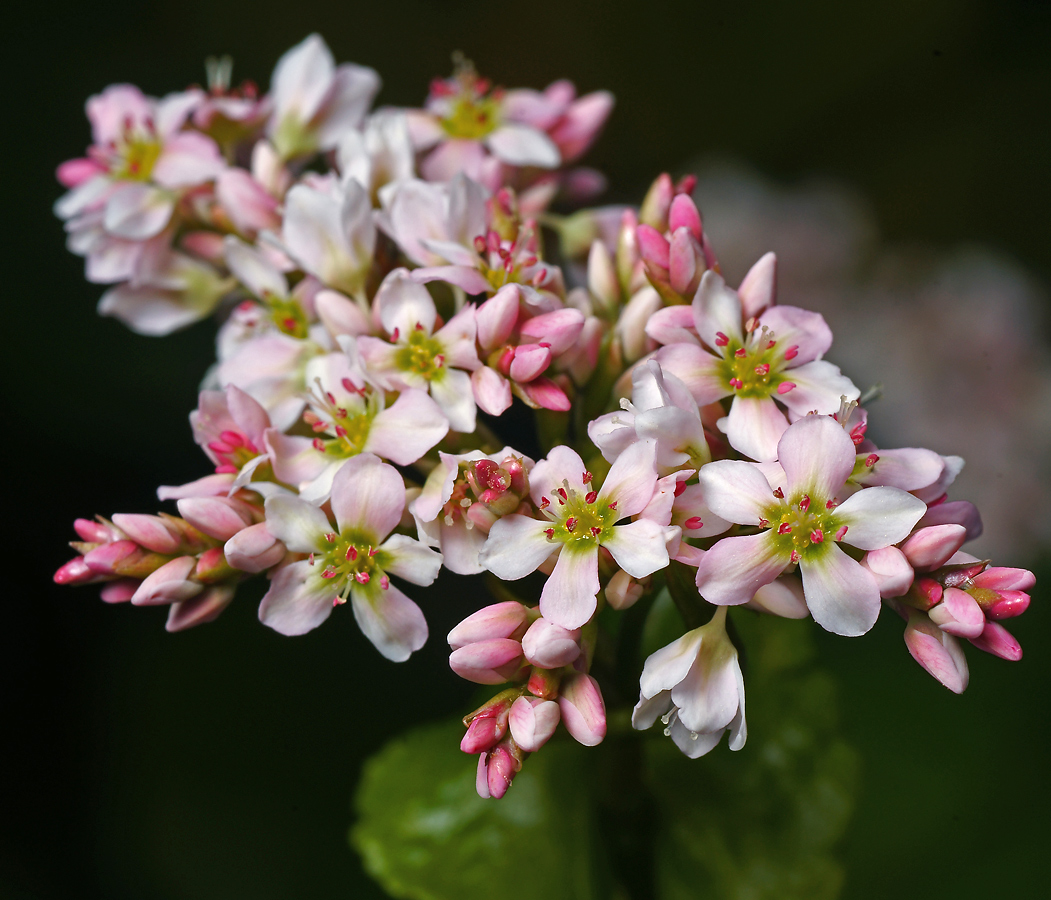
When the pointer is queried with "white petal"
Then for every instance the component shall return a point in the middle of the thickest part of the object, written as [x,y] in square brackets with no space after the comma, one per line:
[298,600]
[403,304]
[754,426]
[716,308]
[521,145]
[411,560]
[137,211]
[570,593]
[842,595]
[300,525]
[638,547]
[669,665]
[735,491]
[708,697]
[517,545]
[877,517]
[389,619]
[407,429]
[254,270]
[561,464]
[817,456]
[368,495]
[819,386]
[736,567]
[452,392]
[632,479]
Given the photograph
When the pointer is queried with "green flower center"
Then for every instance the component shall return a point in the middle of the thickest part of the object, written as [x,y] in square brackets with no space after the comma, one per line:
[288,316]
[754,367]
[136,159]
[579,520]
[421,354]
[347,426]
[350,558]
[802,527]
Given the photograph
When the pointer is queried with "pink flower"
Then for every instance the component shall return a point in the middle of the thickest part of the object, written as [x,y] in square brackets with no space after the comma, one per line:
[379,154]
[801,523]
[314,101]
[354,560]
[696,687]
[579,520]
[229,426]
[420,357]
[773,357]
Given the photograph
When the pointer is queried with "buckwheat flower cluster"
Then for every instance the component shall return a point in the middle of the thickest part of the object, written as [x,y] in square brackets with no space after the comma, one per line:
[396,291]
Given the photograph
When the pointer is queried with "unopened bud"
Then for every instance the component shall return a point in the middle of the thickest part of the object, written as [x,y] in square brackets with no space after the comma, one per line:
[500,620]
[150,532]
[550,646]
[932,546]
[168,584]
[254,549]
[999,641]
[488,662]
[583,710]
[958,614]
[533,722]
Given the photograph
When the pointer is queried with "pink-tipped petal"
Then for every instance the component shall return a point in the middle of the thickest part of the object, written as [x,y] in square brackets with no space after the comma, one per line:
[841,594]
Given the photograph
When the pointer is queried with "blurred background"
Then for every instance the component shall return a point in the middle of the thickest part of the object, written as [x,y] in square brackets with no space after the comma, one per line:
[896,155]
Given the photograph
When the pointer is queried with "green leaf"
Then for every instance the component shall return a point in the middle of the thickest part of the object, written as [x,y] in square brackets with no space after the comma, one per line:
[424,833]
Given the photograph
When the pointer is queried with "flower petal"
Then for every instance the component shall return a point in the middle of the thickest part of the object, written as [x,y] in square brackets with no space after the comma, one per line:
[407,429]
[736,567]
[817,455]
[388,618]
[301,526]
[632,479]
[638,547]
[517,545]
[521,145]
[298,600]
[411,560]
[754,427]
[368,495]
[735,490]
[879,516]
[842,595]
[570,593]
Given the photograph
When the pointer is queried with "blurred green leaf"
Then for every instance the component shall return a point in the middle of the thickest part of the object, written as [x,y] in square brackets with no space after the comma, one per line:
[424,833]
[763,822]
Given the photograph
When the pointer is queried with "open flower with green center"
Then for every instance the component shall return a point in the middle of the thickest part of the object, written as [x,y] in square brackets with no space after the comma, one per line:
[352,559]
[801,523]
[348,416]
[576,520]
[419,357]
[771,359]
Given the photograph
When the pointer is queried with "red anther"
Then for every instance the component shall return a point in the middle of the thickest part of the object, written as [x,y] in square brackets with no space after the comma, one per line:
[680,486]
[785,386]
[331,537]
[547,346]
[764,523]
[352,553]
[319,426]
[220,447]
[311,418]
[289,323]
[550,532]
[857,434]
[373,551]
[871,460]
[736,383]
[784,528]
[319,445]
[479,244]
[780,494]
[330,397]
[341,413]
[792,352]
[233,438]
[571,523]
[329,572]
[226,469]
[751,325]
[529,261]
[341,431]
[770,345]
[804,504]
[740,353]
[721,340]
[246,306]
[817,535]
[762,369]
[419,326]
[595,531]
[587,477]
[795,556]
[544,503]
[591,497]
[841,533]
[694,522]
[562,493]
[492,240]
[311,559]
[349,385]
[830,504]
[362,577]
[613,505]
[384,582]
[439,360]
[394,334]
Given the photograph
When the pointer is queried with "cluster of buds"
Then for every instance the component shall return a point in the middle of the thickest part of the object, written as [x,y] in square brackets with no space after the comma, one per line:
[548,665]
[386,297]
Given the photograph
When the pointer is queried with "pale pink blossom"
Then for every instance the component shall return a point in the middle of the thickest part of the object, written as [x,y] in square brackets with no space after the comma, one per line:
[696,688]
[353,560]
[229,426]
[315,101]
[579,520]
[802,522]
[378,154]
[773,357]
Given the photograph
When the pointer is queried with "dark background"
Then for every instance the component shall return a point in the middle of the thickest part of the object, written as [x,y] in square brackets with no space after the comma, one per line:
[220,762]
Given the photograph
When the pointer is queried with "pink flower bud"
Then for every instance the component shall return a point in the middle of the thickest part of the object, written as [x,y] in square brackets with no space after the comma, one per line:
[559,329]
[939,653]
[657,202]
[168,584]
[1004,604]
[653,247]
[218,517]
[891,570]
[254,549]
[544,683]
[582,708]
[958,614]
[623,590]
[501,620]
[956,512]
[530,361]
[685,263]
[931,547]
[501,770]
[246,202]
[76,571]
[151,532]
[95,532]
[495,319]
[544,393]
[488,662]
[1001,578]
[487,726]
[205,607]
[550,646]
[532,722]
[577,129]
[120,591]
[925,592]
[340,315]
[999,641]
[105,560]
